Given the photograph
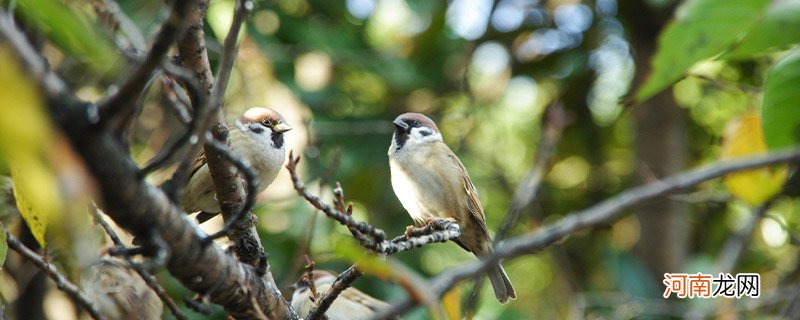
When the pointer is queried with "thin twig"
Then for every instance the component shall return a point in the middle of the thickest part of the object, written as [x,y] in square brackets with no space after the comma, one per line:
[343,281]
[734,247]
[146,276]
[251,181]
[227,182]
[230,49]
[173,102]
[599,214]
[370,237]
[193,135]
[123,23]
[61,281]
[525,194]
[725,85]
[312,220]
[138,206]
[128,92]
[554,123]
[309,278]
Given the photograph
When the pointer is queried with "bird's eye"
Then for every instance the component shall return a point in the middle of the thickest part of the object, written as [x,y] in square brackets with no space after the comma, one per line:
[416,123]
[265,122]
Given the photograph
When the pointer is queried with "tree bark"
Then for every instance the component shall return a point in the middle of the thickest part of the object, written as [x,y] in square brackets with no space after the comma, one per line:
[661,146]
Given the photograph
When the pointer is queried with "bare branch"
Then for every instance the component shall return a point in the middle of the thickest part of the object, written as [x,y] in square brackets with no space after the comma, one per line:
[229,50]
[117,18]
[370,237]
[599,214]
[61,281]
[343,281]
[126,96]
[142,208]
[527,189]
[146,276]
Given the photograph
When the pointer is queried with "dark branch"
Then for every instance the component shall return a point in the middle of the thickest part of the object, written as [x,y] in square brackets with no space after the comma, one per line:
[251,181]
[527,189]
[142,208]
[128,93]
[230,49]
[597,215]
[146,276]
[367,235]
[61,281]
[343,281]
[116,18]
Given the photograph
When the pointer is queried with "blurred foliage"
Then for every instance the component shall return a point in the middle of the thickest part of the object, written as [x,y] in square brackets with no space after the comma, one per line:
[781,119]
[702,29]
[339,71]
[68,26]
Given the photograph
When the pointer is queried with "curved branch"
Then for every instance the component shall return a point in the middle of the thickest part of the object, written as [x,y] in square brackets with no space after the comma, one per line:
[146,276]
[599,214]
[343,281]
[144,209]
[370,237]
[128,92]
[61,281]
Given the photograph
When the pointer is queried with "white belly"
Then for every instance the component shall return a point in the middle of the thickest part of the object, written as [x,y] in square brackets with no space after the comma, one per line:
[421,206]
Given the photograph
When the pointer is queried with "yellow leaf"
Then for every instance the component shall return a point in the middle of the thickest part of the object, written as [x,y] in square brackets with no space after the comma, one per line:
[744,137]
[451,303]
[35,188]
[24,136]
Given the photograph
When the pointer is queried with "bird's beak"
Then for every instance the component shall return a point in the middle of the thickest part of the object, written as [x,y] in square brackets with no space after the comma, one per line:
[281,127]
[400,125]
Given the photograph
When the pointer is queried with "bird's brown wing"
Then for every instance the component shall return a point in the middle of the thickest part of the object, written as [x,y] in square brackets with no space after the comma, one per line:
[473,202]
[199,162]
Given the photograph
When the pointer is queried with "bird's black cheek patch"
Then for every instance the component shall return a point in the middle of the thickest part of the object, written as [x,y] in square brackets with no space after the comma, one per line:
[277,140]
[400,139]
[255,128]
[425,133]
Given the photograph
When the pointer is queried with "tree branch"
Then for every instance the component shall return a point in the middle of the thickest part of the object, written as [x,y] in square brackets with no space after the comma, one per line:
[146,276]
[142,208]
[368,236]
[525,194]
[343,281]
[128,93]
[61,281]
[599,214]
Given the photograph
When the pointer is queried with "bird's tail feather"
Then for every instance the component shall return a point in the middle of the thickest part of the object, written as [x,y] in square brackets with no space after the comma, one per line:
[503,289]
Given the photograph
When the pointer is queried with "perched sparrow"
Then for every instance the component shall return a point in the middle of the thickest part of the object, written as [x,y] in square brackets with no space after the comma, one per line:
[351,304]
[118,292]
[256,136]
[431,182]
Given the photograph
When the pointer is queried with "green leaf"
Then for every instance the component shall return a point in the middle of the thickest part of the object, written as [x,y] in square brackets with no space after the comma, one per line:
[780,27]
[72,32]
[702,29]
[3,246]
[780,112]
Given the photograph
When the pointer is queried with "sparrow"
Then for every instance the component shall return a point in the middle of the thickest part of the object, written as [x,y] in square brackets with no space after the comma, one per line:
[351,304]
[432,183]
[256,136]
[119,292]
